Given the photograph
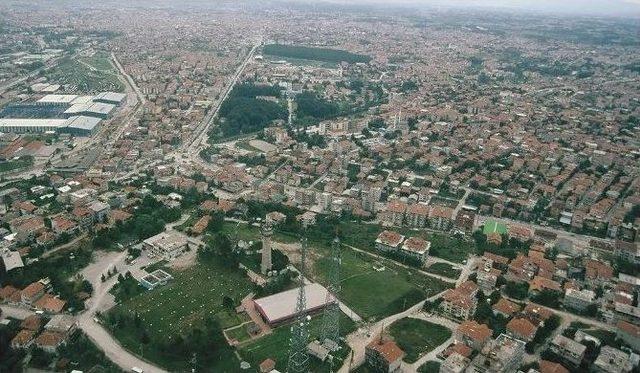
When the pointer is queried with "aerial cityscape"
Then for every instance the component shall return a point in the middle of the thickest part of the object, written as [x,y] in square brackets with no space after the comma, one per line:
[319,186]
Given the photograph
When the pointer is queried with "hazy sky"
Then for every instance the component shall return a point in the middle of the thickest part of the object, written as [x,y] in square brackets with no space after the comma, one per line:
[593,7]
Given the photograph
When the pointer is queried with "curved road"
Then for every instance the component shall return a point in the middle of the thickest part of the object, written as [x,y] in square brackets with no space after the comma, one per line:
[98,334]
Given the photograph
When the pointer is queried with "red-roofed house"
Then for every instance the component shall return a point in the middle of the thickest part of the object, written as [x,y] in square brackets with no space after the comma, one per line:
[522,329]
[384,356]
[473,334]
[460,303]
[389,241]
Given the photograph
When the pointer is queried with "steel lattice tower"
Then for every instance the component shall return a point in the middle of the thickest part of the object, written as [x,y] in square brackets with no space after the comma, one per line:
[298,356]
[331,318]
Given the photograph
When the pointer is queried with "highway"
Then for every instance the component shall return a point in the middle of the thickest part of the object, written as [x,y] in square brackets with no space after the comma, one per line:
[202,130]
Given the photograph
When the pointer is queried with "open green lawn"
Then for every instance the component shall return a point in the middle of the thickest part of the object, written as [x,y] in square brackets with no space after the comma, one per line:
[492,226]
[374,294]
[239,333]
[276,345]
[99,61]
[243,231]
[417,337]
[443,269]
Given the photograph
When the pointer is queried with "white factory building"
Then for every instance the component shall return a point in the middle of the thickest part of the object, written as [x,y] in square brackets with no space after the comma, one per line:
[76,125]
[82,117]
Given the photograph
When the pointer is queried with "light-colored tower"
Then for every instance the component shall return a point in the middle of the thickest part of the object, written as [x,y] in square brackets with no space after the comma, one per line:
[266,264]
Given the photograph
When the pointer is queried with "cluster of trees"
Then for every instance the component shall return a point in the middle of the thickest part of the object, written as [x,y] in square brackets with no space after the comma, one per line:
[311,105]
[58,268]
[207,342]
[244,113]
[10,359]
[148,220]
[126,288]
[544,332]
[484,313]
[317,54]
[510,247]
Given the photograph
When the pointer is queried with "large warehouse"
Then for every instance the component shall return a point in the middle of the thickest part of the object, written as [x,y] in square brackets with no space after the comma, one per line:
[280,308]
[90,109]
[72,114]
[81,126]
[76,125]
[31,125]
[110,98]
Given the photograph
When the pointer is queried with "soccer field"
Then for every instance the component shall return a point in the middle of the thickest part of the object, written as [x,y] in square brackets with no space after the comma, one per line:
[492,226]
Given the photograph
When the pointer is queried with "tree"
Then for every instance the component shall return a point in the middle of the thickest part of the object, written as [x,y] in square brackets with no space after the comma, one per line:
[216,223]
[517,290]
[227,302]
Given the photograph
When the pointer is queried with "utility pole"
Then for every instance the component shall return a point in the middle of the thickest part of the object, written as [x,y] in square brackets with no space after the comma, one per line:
[298,355]
[331,318]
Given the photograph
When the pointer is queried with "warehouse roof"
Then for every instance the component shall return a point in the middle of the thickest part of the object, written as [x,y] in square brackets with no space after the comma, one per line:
[83,122]
[110,96]
[58,99]
[282,306]
[91,107]
[31,122]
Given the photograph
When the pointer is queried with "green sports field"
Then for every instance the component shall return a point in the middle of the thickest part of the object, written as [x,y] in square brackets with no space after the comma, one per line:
[492,226]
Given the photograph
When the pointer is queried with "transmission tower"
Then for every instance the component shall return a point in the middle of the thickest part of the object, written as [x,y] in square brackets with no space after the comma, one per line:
[331,318]
[298,356]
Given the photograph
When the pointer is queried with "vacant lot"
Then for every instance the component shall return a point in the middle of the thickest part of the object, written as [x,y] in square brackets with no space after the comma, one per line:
[443,269]
[417,337]
[374,293]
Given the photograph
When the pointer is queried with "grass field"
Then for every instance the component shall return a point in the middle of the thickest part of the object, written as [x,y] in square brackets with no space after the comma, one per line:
[244,231]
[239,333]
[99,61]
[94,74]
[276,345]
[396,288]
[443,269]
[180,305]
[417,337]
[492,226]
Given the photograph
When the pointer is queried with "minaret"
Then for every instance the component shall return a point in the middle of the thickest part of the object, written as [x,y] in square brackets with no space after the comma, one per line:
[266,265]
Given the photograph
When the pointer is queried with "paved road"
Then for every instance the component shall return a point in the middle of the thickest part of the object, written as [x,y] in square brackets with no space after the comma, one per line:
[98,334]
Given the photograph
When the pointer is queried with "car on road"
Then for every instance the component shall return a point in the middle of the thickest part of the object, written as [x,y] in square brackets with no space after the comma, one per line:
[137,370]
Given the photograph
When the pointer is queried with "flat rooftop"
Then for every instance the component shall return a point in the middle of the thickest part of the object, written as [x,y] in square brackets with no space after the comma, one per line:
[58,99]
[7,122]
[282,306]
